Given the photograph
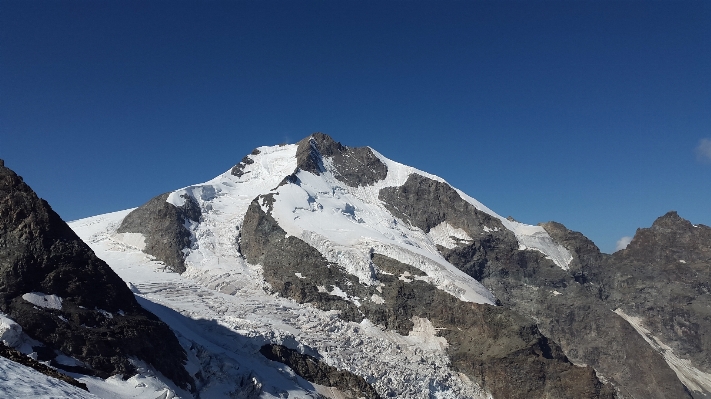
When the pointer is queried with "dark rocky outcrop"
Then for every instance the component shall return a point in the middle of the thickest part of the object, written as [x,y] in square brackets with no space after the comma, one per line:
[490,344]
[163,226]
[238,170]
[99,321]
[354,166]
[571,314]
[313,370]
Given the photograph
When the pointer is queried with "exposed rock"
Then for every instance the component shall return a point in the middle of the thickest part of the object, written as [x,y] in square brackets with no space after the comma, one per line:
[490,344]
[426,203]
[238,170]
[586,255]
[163,226]
[664,277]
[313,370]
[40,254]
[353,166]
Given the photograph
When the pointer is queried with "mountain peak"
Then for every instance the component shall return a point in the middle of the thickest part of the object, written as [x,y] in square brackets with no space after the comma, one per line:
[671,221]
[354,166]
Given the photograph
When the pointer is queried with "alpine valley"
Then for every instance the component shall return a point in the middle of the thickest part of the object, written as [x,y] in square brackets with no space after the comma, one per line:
[317,270]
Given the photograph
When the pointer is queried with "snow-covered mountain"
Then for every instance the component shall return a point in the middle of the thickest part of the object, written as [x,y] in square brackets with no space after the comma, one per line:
[320,270]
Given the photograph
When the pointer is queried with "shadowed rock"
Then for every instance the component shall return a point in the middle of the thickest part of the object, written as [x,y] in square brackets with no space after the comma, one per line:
[99,321]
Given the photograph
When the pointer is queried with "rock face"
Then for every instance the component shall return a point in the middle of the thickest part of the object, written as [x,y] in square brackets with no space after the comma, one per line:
[61,294]
[492,345]
[163,226]
[238,170]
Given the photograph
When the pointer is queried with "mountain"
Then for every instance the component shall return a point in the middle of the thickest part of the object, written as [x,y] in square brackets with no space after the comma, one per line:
[345,231]
[321,270]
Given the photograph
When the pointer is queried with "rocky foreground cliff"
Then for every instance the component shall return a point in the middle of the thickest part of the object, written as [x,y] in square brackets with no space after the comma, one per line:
[68,300]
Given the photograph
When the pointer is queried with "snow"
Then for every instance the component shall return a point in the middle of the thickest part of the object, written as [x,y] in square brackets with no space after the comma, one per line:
[135,240]
[10,331]
[43,300]
[693,378]
[19,381]
[146,384]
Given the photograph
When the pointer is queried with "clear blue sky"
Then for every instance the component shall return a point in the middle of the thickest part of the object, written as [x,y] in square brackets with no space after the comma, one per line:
[590,113]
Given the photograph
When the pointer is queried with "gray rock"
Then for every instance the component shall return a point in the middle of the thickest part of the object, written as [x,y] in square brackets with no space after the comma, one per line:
[40,253]
[425,203]
[163,226]
[354,166]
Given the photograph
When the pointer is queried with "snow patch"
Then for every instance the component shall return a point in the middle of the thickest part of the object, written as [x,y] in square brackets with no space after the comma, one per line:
[133,240]
[43,300]
[10,331]
[693,378]
[529,237]
[354,261]
[424,332]
[448,236]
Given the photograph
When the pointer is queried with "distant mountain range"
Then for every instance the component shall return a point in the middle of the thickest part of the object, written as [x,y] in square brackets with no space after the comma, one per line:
[320,270]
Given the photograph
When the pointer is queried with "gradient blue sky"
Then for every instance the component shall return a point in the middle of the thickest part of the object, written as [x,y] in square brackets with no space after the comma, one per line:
[589,113]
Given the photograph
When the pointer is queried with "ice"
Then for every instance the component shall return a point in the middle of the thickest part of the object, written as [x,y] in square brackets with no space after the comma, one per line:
[43,300]
[444,234]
